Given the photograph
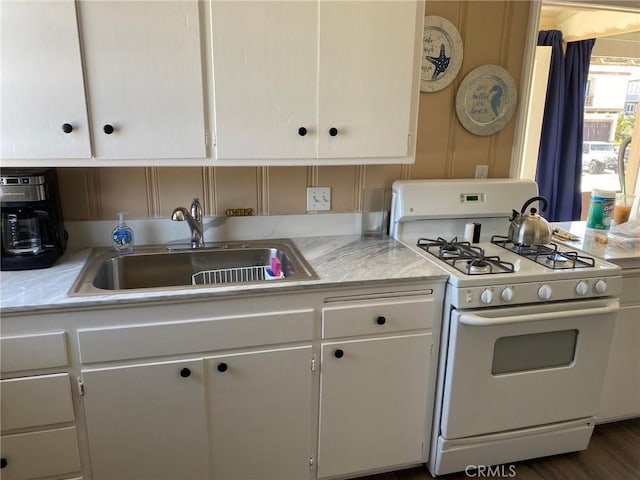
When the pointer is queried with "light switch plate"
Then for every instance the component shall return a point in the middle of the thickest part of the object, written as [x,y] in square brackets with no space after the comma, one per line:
[482,171]
[318,199]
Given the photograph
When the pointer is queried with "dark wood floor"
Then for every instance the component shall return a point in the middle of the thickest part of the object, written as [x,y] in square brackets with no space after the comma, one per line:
[613,454]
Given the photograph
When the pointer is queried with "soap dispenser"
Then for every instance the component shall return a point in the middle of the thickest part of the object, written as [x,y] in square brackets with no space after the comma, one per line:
[122,236]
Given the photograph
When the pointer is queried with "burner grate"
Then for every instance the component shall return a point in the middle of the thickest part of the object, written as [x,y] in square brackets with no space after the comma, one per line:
[464,257]
[547,255]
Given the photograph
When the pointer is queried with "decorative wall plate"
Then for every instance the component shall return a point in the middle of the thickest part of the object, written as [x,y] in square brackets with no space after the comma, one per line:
[441,53]
[486,99]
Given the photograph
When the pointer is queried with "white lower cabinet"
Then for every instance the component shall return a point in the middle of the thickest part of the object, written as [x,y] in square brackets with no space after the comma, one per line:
[260,409]
[621,392]
[373,404]
[234,389]
[147,421]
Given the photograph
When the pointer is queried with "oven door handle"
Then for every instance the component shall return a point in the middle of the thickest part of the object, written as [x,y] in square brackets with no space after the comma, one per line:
[474,320]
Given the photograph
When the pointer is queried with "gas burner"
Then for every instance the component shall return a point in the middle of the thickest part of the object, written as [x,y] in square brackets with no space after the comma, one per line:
[557,259]
[478,266]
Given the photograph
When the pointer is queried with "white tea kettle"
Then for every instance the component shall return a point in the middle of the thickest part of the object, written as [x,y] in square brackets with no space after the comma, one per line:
[530,228]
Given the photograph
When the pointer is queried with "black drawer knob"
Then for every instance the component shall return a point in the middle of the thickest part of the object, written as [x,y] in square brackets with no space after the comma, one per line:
[185,372]
[108,129]
[302,131]
[381,320]
[339,353]
[222,367]
[67,128]
[3,462]
[333,131]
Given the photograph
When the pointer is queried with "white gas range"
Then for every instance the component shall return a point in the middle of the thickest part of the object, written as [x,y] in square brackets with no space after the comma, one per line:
[526,330]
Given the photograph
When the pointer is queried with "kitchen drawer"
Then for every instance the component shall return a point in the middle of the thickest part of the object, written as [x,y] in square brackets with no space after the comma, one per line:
[162,339]
[40,454]
[33,351]
[378,316]
[34,401]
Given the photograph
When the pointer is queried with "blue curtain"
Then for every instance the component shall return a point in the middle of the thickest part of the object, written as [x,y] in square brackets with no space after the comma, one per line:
[559,169]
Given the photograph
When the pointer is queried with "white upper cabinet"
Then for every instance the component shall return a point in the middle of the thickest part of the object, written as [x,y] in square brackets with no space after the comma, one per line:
[41,85]
[144,78]
[330,80]
[141,63]
[367,78]
[265,73]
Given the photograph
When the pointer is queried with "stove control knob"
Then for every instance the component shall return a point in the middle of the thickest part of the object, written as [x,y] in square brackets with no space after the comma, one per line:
[545,292]
[582,288]
[486,296]
[601,287]
[507,294]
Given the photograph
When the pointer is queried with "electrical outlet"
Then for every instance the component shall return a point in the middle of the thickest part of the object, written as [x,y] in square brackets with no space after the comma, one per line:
[318,198]
[482,171]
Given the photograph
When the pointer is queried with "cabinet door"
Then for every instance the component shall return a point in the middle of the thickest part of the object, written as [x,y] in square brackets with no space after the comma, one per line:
[260,411]
[621,392]
[265,78]
[147,421]
[373,404]
[144,78]
[367,78]
[41,84]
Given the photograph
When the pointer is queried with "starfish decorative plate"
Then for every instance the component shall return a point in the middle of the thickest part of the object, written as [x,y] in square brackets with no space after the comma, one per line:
[486,99]
[441,53]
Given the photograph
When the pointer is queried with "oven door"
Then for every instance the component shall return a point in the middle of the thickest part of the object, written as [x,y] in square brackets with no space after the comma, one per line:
[518,367]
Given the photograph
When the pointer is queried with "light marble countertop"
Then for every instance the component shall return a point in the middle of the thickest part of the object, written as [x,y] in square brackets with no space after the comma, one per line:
[588,243]
[344,260]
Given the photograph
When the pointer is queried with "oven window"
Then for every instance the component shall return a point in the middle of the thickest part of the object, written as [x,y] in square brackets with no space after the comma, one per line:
[534,351]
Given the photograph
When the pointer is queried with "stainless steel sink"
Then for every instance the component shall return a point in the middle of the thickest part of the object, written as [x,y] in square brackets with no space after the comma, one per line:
[162,268]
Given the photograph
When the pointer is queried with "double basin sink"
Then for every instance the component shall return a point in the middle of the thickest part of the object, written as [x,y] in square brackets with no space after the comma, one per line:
[158,268]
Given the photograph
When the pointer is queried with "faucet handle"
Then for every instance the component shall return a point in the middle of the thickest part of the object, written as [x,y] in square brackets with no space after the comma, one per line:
[196,209]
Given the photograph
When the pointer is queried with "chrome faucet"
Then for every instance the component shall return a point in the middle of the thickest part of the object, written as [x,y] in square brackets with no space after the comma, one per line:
[194,219]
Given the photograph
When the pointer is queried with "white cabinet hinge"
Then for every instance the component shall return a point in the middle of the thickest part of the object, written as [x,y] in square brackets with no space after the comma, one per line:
[313,363]
[431,349]
[80,386]
[311,463]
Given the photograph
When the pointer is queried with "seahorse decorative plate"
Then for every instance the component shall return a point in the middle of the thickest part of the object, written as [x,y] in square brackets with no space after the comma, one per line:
[441,53]
[486,100]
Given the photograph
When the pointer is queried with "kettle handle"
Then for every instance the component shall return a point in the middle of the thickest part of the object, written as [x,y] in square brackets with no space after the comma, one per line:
[534,199]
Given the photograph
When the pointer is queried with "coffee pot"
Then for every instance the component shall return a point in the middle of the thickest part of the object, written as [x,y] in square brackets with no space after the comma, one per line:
[33,233]
[21,232]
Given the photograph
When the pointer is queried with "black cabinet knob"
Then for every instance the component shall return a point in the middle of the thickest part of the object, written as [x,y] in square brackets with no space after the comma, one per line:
[339,353]
[222,367]
[185,372]
[108,129]
[333,131]
[302,131]
[381,320]
[67,128]
[3,462]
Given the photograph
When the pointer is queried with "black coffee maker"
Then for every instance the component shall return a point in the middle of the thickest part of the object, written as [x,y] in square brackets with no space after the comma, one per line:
[33,234]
